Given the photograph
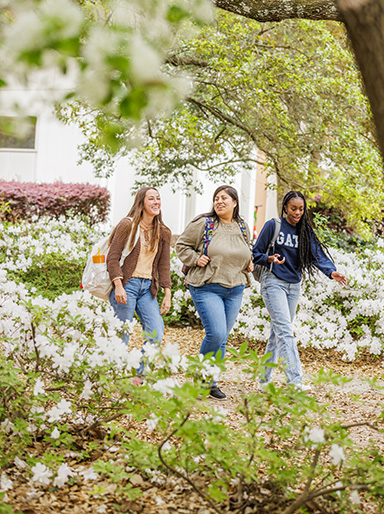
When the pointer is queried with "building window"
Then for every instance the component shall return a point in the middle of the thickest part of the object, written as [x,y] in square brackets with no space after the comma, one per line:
[18,132]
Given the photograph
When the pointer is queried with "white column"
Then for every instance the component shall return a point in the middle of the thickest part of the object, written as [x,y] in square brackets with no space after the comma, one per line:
[247,193]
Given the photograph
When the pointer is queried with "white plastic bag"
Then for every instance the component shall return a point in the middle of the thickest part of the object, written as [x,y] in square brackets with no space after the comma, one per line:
[95,276]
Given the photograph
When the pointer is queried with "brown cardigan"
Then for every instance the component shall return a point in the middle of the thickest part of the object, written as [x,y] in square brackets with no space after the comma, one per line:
[161,264]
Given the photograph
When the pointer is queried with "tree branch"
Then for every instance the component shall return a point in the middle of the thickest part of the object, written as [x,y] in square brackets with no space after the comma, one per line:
[361,424]
[230,161]
[276,10]
[307,496]
[177,473]
[177,60]
[99,422]
[223,117]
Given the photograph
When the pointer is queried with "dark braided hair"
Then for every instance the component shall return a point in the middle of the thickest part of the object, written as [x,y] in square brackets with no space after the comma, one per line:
[305,233]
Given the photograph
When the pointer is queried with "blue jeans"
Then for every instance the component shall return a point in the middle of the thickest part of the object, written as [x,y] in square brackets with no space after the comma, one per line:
[281,299]
[218,308]
[140,299]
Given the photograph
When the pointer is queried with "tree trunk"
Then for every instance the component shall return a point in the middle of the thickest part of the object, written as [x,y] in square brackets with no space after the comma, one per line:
[278,10]
[364,20]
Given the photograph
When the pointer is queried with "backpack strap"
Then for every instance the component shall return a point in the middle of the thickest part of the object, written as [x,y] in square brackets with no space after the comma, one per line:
[243,229]
[208,232]
[274,238]
[126,251]
[277,231]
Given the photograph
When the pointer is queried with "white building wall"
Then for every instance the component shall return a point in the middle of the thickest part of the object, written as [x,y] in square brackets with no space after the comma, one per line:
[18,165]
[55,158]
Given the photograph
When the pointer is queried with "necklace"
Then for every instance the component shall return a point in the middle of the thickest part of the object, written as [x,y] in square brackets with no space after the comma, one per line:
[144,226]
[145,231]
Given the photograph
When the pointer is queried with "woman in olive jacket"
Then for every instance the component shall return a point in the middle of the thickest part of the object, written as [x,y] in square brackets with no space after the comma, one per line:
[219,274]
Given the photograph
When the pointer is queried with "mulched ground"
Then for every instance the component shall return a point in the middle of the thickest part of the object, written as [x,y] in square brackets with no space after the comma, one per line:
[169,495]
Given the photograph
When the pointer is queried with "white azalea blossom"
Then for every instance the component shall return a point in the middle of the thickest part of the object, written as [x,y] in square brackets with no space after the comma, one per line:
[355,498]
[316,435]
[39,387]
[166,385]
[210,372]
[5,483]
[89,474]
[41,474]
[63,474]
[145,61]
[177,361]
[152,422]
[57,412]
[55,434]
[337,454]
[7,426]
[87,391]
[39,412]
[151,351]
[171,350]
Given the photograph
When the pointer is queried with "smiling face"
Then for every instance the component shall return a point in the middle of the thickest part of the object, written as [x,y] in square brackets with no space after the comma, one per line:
[152,203]
[294,210]
[224,205]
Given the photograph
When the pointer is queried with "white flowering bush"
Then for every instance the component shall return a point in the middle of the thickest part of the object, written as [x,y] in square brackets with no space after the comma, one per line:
[47,254]
[61,363]
[346,319]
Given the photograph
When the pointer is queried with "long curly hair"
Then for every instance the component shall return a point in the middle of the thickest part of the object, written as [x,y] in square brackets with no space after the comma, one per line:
[305,233]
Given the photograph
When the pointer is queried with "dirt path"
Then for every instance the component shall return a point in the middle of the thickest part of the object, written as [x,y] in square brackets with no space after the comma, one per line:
[340,397]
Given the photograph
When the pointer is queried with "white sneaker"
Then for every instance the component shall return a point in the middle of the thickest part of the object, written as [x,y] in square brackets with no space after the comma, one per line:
[302,387]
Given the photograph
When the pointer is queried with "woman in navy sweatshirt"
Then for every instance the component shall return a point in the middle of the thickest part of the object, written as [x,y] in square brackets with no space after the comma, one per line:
[297,250]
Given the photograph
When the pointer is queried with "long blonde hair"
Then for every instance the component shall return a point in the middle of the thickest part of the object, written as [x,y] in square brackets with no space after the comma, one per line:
[136,213]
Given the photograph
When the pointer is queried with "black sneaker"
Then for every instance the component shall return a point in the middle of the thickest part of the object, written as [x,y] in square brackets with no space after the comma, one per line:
[216,393]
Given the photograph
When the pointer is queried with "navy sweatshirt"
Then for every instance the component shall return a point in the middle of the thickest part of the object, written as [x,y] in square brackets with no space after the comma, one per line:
[287,246]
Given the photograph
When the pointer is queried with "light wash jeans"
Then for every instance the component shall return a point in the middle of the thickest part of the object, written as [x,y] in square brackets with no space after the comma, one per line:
[140,299]
[218,308]
[281,299]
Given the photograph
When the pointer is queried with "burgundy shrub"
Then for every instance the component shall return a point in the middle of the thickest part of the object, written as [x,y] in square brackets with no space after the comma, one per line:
[22,200]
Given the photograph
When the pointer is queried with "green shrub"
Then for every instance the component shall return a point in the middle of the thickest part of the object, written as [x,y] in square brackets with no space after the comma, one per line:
[341,239]
[52,276]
